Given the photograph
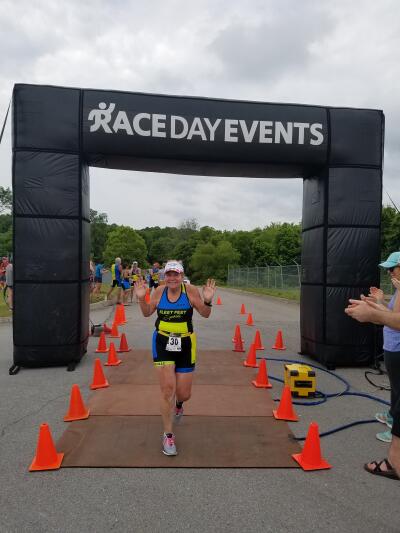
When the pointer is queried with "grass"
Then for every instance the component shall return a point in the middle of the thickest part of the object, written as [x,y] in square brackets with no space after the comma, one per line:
[5,312]
[288,294]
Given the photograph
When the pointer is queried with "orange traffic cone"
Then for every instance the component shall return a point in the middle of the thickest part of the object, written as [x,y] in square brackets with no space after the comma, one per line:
[123,345]
[123,318]
[285,410]
[147,296]
[279,342]
[249,321]
[258,341]
[243,310]
[119,317]
[46,457]
[251,360]
[106,329]
[261,380]
[238,333]
[77,409]
[310,458]
[238,346]
[219,301]
[114,331]
[99,379]
[112,357]
[102,346]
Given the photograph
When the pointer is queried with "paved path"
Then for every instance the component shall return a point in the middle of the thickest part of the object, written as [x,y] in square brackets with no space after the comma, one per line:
[344,499]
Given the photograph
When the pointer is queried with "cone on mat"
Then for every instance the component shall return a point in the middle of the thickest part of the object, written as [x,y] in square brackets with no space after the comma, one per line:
[123,345]
[77,409]
[114,331]
[102,345]
[46,457]
[251,360]
[258,342]
[112,357]
[219,301]
[261,381]
[243,310]
[285,409]
[310,458]
[279,342]
[106,329]
[99,379]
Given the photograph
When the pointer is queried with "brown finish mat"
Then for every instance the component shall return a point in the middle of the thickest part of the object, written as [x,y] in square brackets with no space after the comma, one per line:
[208,400]
[202,442]
[213,367]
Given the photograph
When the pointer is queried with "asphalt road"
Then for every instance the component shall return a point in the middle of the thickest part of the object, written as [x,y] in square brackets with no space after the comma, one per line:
[343,499]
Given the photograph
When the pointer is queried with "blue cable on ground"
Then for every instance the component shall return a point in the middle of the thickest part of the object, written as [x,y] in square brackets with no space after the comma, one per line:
[325,397]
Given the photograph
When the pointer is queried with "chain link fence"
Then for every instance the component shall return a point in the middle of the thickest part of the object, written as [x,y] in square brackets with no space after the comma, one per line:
[268,277]
[280,277]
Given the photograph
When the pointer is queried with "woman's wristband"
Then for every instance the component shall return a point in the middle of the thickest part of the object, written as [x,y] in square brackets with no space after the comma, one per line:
[208,304]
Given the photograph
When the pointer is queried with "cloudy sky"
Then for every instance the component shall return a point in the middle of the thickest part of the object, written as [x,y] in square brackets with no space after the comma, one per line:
[337,53]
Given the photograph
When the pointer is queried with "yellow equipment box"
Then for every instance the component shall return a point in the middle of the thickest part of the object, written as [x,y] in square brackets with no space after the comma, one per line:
[301,380]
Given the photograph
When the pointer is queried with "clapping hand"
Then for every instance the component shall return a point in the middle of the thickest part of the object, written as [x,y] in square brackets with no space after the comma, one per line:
[376,294]
[395,283]
[209,290]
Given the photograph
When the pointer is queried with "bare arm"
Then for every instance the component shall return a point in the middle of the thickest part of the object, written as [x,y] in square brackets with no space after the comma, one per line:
[364,311]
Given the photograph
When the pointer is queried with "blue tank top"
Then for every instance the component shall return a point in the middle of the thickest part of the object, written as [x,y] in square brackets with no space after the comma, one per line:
[391,337]
[117,272]
[99,268]
[174,317]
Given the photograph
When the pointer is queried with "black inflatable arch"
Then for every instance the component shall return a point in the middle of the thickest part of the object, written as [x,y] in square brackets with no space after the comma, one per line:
[59,132]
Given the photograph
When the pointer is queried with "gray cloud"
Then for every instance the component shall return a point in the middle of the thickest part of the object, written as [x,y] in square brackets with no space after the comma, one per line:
[339,54]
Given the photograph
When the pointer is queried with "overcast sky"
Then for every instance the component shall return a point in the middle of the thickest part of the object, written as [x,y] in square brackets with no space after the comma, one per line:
[337,53]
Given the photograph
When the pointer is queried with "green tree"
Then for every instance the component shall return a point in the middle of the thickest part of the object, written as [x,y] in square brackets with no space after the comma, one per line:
[288,243]
[390,231]
[5,199]
[126,243]
[99,230]
[161,249]
[211,261]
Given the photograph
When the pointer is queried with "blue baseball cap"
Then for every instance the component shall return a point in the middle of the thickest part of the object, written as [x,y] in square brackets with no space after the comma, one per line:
[392,261]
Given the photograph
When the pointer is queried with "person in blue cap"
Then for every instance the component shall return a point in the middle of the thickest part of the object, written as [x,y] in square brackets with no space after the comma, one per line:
[373,308]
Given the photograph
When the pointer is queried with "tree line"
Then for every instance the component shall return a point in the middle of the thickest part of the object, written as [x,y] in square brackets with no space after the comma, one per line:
[205,251]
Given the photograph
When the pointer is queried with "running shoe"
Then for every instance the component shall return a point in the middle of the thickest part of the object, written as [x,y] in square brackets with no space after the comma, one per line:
[169,447]
[178,413]
[385,418]
[385,436]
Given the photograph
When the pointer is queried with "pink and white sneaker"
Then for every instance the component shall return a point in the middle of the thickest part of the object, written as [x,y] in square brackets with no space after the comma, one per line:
[169,447]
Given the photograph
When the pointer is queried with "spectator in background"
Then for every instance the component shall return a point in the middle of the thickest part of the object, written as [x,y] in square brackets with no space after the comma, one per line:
[98,277]
[154,276]
[3,265]
[9,284]
[116,270]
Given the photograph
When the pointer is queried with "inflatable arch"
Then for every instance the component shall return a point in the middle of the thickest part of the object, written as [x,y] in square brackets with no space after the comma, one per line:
[58,133]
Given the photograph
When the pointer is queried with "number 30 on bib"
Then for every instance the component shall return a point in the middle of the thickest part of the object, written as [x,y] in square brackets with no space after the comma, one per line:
[174,344]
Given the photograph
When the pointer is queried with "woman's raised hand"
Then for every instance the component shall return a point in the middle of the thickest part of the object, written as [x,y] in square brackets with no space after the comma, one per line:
[140,288]
[209,290]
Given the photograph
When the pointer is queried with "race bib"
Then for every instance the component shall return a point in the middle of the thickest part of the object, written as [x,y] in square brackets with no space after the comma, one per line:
[174,344]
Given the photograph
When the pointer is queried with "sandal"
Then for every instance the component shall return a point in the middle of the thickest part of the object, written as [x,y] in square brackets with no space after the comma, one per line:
[390,472]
